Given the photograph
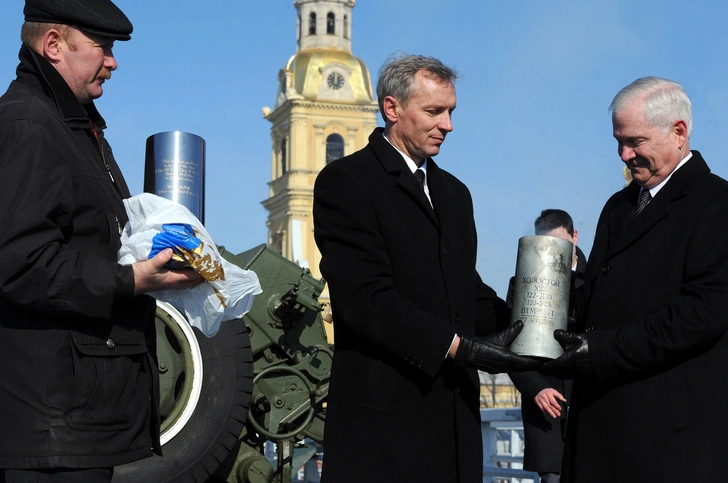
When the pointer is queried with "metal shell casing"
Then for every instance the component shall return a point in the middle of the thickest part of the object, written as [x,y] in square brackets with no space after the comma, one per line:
[541,294]
[174,168]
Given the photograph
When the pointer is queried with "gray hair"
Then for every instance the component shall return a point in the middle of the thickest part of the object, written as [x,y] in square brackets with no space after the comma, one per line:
[397,75]
[665,102]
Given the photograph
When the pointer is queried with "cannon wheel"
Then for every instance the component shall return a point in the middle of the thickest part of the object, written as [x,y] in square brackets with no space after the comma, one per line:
[206,386]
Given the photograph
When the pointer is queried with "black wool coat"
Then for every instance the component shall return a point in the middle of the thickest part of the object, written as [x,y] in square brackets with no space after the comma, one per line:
[403,282]
[76,346]
[654,308]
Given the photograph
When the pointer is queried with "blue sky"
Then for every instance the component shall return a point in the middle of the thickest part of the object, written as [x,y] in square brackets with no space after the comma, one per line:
[531,128]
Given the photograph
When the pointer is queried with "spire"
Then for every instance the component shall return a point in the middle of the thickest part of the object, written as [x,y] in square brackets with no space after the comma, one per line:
[324,23]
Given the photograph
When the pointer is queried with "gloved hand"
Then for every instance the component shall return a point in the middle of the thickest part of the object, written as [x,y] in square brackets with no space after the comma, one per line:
[574,362]
[490,353]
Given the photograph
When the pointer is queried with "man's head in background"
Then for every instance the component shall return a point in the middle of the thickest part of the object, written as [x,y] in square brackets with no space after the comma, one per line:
[558,223]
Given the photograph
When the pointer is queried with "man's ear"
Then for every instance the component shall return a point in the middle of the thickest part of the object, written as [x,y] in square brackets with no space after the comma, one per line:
[391,109]
[576,237]
[680,129]
[52,45]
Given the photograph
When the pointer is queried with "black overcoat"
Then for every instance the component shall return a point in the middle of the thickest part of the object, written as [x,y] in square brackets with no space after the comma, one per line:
[402,281]
[654,305]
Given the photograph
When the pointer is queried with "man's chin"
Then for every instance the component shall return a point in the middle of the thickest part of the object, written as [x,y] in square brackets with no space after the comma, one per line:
[89,99]
[434,151]
[96,93]
[636,174]
[641,180]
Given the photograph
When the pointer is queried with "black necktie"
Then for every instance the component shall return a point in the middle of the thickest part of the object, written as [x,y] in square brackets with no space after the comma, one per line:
[645,198]
[420,175]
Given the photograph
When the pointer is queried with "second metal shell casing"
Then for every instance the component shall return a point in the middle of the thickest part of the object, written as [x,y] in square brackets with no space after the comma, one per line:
[541,294]
[174,168]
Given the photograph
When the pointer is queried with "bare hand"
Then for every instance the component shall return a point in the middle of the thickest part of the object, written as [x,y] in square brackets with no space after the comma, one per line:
[548,401]
[151,275]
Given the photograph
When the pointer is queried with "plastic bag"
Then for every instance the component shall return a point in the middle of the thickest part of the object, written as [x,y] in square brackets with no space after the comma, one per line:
[156,223]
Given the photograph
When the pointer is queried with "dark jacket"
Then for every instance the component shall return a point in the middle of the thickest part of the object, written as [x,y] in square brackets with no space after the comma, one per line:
[544,435]
[654,305]
[402,281]
[76,347]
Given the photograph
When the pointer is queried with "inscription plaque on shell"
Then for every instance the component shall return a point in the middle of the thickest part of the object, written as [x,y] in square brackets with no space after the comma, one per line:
[541,294]
[175,169]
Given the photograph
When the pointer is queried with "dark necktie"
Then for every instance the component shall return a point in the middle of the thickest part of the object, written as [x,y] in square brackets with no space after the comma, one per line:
[420,175]
[645,198]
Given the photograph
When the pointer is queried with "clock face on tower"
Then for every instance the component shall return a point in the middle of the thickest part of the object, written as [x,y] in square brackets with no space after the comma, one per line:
[335,80]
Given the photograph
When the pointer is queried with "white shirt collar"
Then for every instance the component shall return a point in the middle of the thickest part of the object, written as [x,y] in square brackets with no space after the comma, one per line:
[413,166]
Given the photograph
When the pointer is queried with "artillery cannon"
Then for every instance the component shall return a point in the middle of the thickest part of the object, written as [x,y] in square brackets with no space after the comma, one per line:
[261,378]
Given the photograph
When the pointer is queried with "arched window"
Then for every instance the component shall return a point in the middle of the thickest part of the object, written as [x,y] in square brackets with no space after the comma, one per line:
[312,24]
[283,157]
[346,27]
[334,148]
[330,23]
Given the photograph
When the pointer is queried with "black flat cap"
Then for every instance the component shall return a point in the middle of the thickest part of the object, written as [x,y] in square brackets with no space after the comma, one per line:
[100,17]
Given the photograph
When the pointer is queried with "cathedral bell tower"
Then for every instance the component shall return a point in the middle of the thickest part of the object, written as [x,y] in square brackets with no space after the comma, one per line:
[324,110]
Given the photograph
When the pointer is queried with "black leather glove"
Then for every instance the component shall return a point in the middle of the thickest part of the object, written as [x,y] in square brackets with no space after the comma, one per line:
[574,362]
[490,353]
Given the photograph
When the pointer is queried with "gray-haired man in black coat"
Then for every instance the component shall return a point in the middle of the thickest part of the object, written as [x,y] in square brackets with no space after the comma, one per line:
[648,401]
[412,318]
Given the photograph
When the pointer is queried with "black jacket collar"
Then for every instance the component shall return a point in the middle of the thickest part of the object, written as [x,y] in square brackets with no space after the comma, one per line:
[443,196]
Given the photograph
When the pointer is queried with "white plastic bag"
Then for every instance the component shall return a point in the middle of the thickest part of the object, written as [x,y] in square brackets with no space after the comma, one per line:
[229,290]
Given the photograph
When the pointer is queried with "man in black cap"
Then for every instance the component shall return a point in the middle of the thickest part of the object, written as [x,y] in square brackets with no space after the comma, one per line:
[79,390]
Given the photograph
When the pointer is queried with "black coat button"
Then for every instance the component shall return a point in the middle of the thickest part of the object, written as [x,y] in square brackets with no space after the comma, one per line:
[110,343]
[605,269]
